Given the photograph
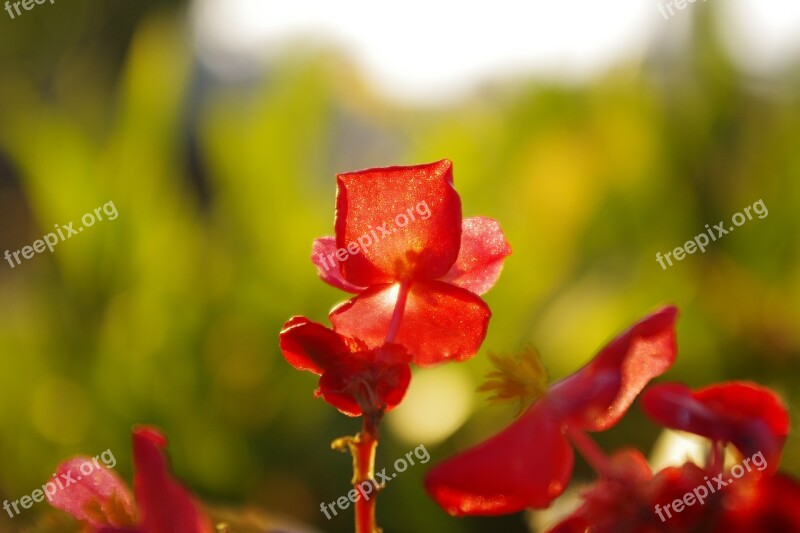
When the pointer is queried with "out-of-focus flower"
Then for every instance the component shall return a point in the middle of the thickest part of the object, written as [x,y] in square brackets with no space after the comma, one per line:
[530,463]
[104,503]
[748,497]
[756,502]
[749,416]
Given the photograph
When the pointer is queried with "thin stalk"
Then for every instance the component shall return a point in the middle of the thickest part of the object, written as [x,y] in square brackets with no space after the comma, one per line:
[590,451]
[364,473]
[363,445]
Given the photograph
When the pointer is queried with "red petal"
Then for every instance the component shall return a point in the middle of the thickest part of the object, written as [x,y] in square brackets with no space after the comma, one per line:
[392,386]
[333,388]
[574,523]
[613,503]
[323,255]
[354,386]
[164,505]
[441,322]
[751,417]
[598,395]
[528,464]
[772,505]
[673,483]
[760,415]
[99,498]
[480,258]
[673,405]
[631,465]
[307,345]
[392,354]
[424,247]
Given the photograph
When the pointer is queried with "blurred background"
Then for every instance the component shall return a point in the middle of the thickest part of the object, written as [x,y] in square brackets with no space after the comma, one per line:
[597,134]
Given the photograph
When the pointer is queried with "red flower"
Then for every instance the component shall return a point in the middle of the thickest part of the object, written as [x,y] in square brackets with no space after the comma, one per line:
[748,497]
[631,498]
[354,378]
[752,418]
[756,502]
[417,268]
[529,463]
[104,503]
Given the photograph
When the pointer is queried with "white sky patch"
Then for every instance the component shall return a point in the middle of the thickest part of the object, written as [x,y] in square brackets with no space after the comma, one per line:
[427,50]
[764,35]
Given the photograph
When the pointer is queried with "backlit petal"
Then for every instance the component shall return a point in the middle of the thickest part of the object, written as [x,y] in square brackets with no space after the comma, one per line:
[323,255]
[480,258]
[598,395]
[441,322]
[527,465]
[96,495]
[397,222]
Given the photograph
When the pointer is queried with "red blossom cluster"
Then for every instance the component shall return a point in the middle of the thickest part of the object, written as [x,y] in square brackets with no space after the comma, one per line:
[417,288]
[529,464]
[417,300]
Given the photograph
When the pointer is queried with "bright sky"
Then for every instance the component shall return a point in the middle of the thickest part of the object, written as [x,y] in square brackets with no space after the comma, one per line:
[429,50]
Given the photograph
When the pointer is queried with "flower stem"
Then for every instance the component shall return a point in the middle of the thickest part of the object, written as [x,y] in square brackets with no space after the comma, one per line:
[590,451]
[362,447]
[364,472]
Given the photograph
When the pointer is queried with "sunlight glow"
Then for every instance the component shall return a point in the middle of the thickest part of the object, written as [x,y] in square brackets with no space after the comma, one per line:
[438,401]
[673,448]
